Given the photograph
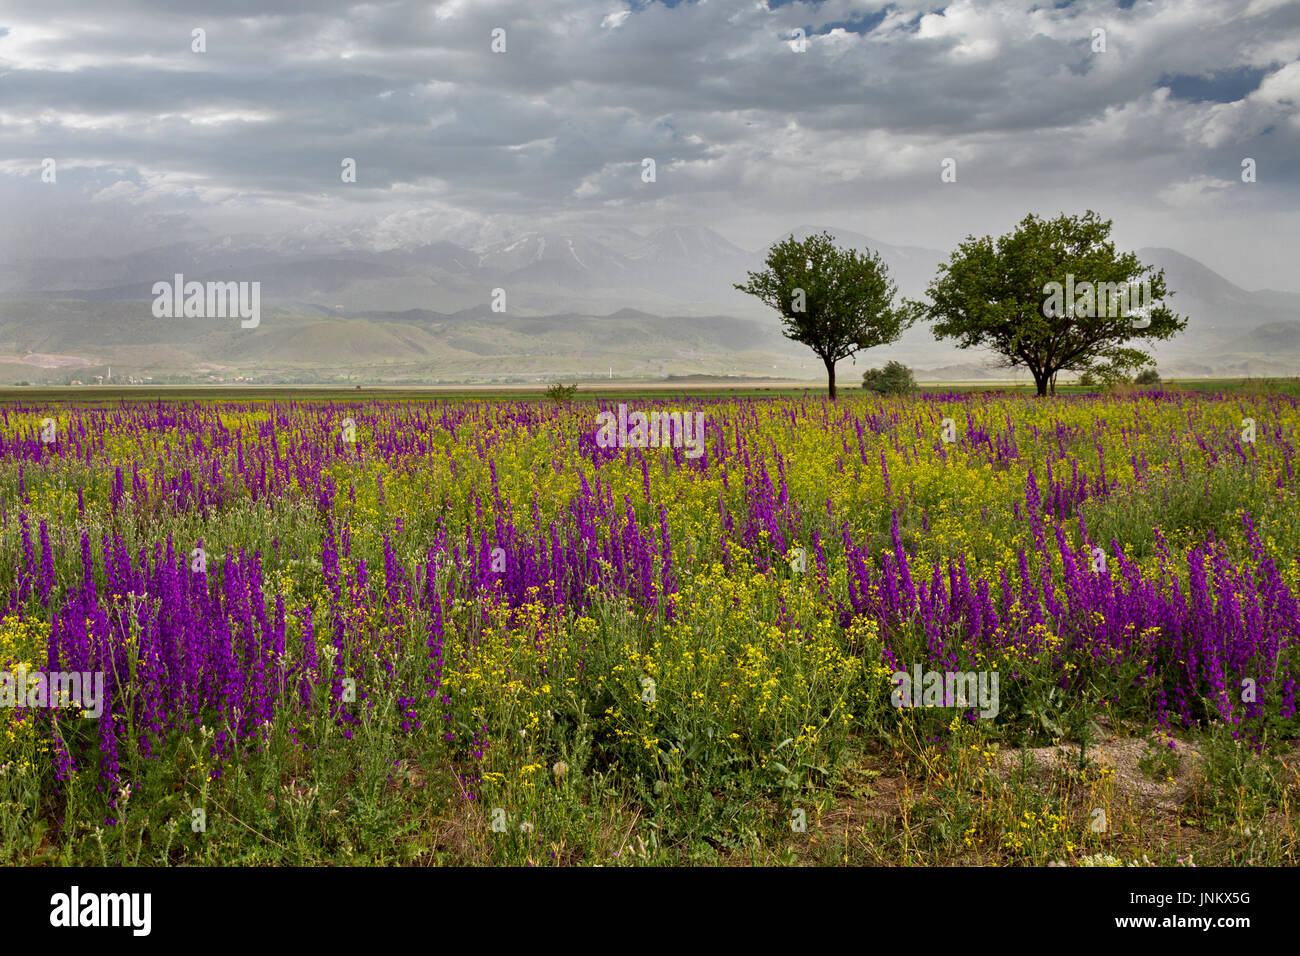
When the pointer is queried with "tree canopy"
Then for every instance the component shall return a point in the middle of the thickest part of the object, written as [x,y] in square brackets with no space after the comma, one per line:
[1051,296]
[835,301]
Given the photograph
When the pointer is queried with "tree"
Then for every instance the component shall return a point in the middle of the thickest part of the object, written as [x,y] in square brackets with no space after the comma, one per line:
[893,379]
[835,301]
[1052,296]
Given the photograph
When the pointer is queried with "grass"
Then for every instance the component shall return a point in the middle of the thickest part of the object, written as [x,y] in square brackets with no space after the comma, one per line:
[95,396]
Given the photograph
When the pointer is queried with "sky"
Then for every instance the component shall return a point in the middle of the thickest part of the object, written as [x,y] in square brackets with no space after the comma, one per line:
[754,127]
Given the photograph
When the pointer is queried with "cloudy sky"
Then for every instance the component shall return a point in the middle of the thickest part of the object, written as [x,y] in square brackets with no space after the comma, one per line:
[752,131]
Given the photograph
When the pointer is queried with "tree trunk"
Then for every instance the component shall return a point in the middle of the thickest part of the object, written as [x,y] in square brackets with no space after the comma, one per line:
[1054,384]
[1040,382]
[830,377]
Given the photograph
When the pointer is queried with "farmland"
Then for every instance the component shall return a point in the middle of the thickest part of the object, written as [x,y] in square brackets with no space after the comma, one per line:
[347,628]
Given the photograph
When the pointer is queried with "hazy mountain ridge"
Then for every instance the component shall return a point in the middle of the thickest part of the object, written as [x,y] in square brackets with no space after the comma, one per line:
[578,301]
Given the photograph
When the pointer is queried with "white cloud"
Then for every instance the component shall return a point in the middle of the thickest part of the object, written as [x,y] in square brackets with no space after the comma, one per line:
[615,20]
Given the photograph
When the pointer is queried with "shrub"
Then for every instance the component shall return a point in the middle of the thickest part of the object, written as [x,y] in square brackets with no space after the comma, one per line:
[894,378]
[558,392]
[1109,379]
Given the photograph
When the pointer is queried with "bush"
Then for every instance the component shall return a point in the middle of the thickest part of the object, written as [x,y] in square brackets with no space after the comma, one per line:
[894,378]
[1110,379]
[1148,376]
[558,392]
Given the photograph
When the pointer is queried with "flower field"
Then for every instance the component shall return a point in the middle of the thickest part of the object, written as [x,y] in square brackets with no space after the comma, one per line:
[462,631]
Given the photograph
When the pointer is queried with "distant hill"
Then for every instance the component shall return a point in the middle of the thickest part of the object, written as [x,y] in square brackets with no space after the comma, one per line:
[580,300]
[65,339]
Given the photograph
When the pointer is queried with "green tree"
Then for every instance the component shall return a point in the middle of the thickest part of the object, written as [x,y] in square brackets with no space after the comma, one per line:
[1000,295]
[835,301]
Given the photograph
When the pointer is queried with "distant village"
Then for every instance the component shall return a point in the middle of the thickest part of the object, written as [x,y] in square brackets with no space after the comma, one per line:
[107,379]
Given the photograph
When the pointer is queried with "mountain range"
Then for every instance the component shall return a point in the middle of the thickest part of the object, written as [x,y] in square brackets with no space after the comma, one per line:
[579,302]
